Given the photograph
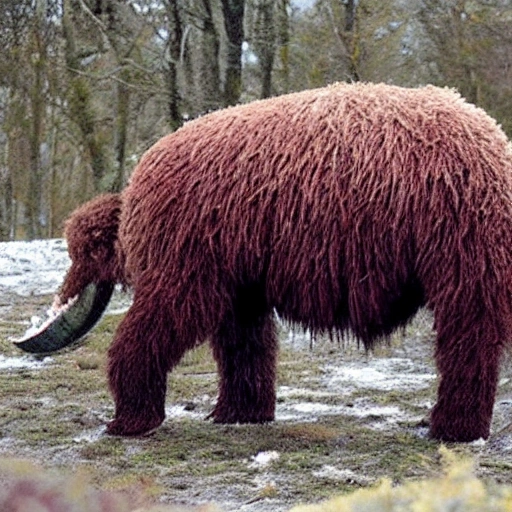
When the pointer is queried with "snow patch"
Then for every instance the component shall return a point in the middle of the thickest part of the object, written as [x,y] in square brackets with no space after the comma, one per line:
[182,411]
[12,363]
[33,268]
[288,391]
[361,408]
[263,459]
[375,374]
[379,374]
[91,436]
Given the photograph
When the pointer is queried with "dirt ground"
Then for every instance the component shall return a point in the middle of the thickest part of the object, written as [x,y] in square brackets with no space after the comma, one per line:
[345,419]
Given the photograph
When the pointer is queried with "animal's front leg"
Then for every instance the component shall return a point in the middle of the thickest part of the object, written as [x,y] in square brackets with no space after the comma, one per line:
[245,348]
[143,351]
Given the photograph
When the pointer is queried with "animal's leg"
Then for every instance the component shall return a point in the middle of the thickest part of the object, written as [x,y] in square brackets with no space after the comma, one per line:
[144,349]
[468,361]
[245,348]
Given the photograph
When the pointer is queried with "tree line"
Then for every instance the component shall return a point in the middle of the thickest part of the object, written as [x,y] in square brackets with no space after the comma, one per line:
[87,85]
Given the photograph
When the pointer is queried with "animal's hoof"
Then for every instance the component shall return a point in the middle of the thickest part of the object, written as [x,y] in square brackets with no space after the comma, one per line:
[452,436]
[118,427]
[458,427]
[234,417]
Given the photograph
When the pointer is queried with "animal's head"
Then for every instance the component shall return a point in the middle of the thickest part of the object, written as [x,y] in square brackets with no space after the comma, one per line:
[91,233]
[96,266]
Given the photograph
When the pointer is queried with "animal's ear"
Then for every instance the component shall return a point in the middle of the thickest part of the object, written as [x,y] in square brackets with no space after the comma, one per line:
[100,244]
[100,253]
[91,230]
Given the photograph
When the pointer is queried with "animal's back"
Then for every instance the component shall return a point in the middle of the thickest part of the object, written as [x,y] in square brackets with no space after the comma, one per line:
[331,198]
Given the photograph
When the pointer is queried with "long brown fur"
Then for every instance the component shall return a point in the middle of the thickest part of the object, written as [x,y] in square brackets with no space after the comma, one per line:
[91,234]
[347,207]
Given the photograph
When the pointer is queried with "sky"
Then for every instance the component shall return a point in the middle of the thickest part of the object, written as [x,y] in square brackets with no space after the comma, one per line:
[303,4]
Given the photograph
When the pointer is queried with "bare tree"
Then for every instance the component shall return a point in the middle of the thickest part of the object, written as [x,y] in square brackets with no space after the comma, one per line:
[37,103]
[351,37]
[264,42]
[454,43]
[176,49]
[470,48]
[14,26]
[203,77]
[26,36]
[283,42]
[233,12]
[80,97]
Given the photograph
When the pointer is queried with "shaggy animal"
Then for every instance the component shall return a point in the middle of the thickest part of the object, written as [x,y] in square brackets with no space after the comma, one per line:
[347,207]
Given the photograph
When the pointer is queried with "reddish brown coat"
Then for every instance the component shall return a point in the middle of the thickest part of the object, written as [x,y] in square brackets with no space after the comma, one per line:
[347,207]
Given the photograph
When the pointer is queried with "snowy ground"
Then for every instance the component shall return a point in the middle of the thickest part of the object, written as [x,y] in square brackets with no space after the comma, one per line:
[32,268]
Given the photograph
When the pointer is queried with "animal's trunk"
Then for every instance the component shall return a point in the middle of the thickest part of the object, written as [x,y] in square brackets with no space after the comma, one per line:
[72,323]
[96,265]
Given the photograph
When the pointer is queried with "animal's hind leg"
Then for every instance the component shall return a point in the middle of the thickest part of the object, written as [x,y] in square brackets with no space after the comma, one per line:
[245,348]
[144,349]
[468,359]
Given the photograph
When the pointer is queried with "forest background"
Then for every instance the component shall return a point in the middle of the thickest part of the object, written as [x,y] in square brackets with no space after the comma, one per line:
[86,86]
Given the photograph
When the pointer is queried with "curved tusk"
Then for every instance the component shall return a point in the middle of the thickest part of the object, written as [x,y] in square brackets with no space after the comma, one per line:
[72,324]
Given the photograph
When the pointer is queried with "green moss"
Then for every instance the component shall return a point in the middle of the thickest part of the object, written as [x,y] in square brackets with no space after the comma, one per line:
[104,448]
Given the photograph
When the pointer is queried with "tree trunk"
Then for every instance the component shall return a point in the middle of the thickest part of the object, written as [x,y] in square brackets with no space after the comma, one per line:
[233,11]
[264,43]
[121,133]
[283,41]
[6,195]
[209,95]
[37,106]
[171,73]
[353,42]
[80,103]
